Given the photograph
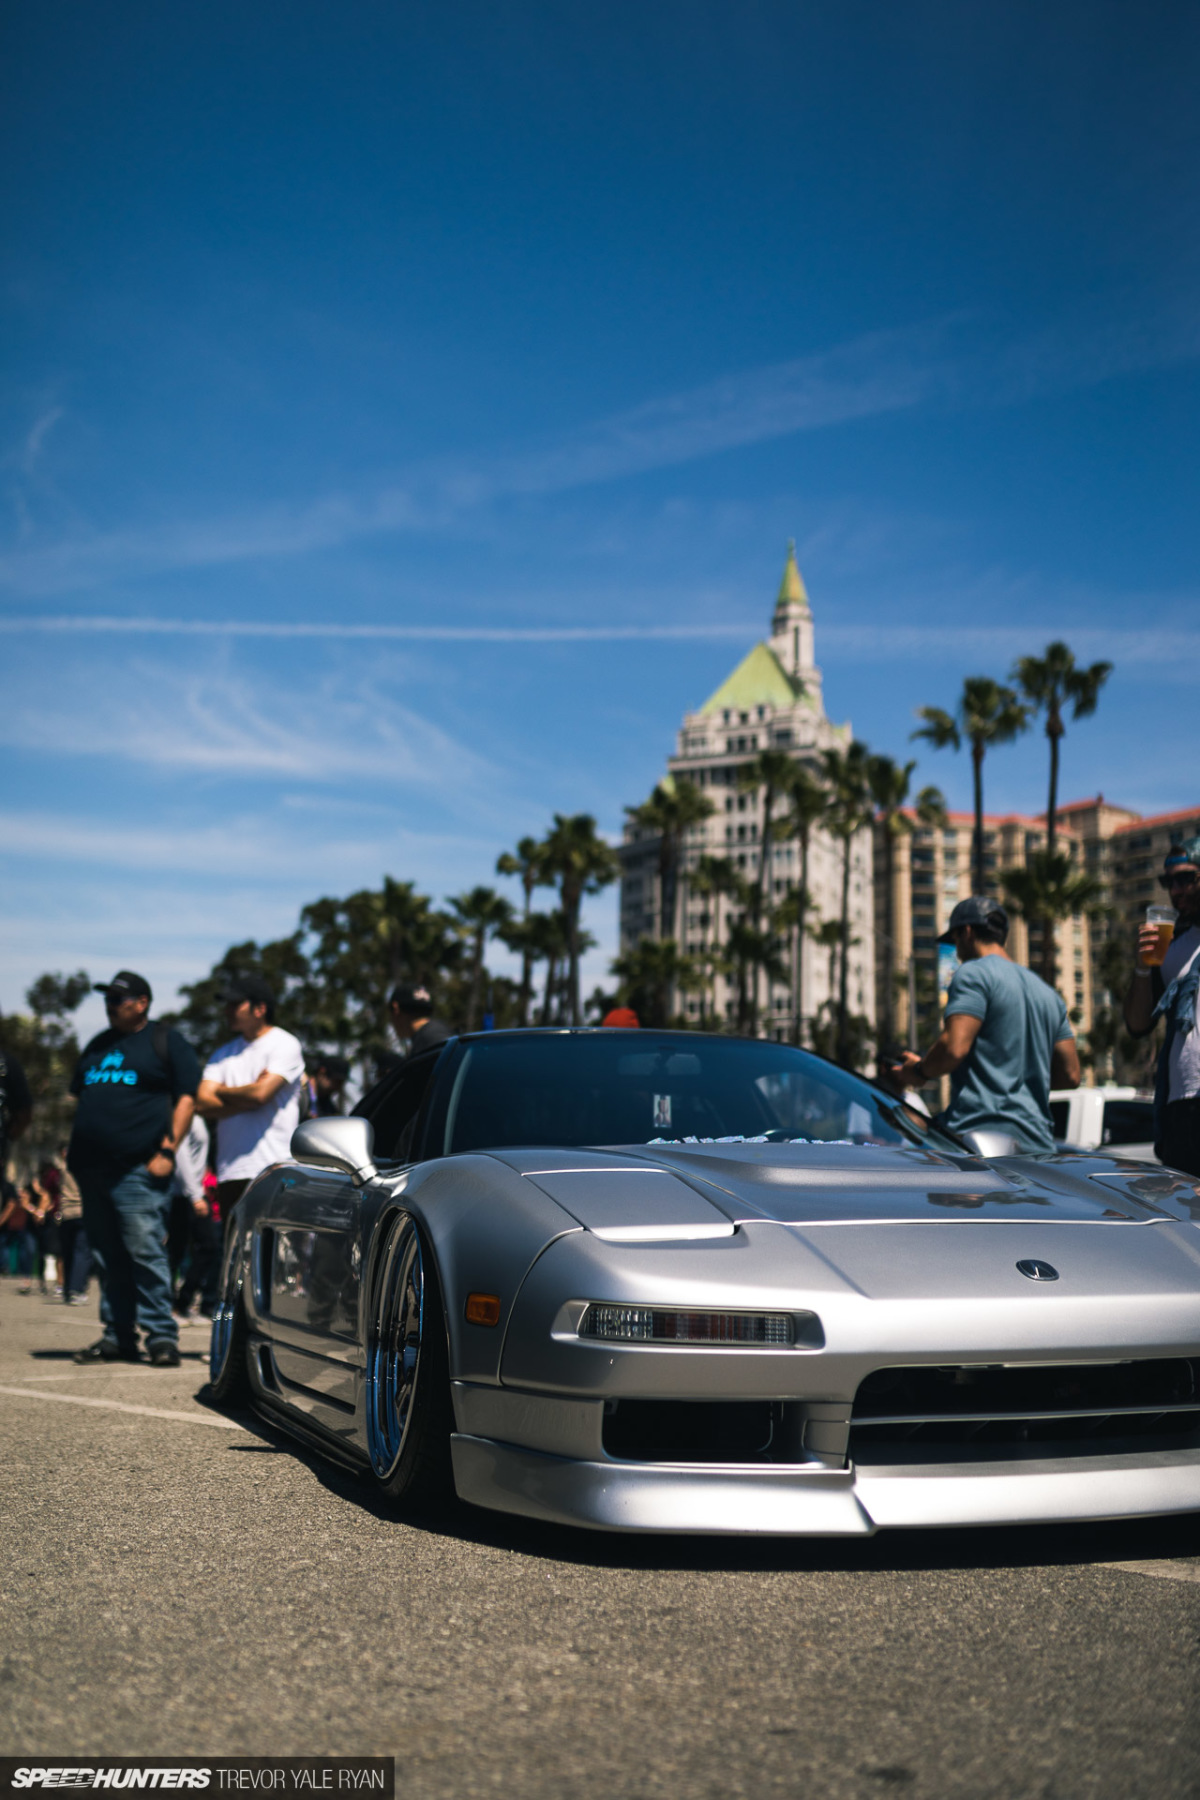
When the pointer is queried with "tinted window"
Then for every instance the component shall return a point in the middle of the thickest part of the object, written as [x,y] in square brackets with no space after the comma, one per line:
[610,1087]
[393,1107]
[1128,1122]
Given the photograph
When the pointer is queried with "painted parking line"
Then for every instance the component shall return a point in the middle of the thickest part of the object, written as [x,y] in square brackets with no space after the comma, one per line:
[1162,1571]
[125,1406]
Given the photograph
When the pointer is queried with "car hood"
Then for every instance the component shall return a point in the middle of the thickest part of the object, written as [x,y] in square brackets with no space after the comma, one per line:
[810,1185]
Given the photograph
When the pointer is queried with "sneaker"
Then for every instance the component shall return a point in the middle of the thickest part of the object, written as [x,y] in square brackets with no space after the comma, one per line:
[105,1350]
[77,1300]
[163,1354]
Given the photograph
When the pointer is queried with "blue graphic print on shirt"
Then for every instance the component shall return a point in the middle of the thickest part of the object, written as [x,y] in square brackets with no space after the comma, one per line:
[127,1088]
[111,1070]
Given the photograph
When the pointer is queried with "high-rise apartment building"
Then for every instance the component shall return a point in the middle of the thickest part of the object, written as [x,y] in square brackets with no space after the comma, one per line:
[773,699]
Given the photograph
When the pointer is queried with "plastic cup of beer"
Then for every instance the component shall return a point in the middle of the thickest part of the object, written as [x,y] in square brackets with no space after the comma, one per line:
[1163,919]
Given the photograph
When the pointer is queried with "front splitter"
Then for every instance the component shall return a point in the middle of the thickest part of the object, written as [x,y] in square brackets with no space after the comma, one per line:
[811,1501]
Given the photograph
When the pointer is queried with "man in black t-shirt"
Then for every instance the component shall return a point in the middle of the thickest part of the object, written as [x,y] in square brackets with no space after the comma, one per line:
[411,1013]
[136,1087]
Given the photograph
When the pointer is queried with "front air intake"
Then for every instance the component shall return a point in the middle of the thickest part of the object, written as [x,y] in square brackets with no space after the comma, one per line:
[963,1413]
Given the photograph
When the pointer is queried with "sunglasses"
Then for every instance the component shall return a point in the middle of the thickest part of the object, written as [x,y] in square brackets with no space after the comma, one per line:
[1184,878]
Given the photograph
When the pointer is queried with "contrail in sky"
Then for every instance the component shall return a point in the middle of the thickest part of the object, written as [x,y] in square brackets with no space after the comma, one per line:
[300,628]
[1173,650]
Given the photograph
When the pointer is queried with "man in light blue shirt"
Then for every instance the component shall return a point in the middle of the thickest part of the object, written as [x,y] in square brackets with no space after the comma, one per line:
[1006,1040]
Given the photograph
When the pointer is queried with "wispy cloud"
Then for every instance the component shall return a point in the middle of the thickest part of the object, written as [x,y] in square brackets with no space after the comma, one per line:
[320,731]
[31,450]
[945,362]
[253,850]
[1163,651]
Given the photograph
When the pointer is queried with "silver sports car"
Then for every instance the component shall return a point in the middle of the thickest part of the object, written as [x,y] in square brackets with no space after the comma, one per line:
[659,1281]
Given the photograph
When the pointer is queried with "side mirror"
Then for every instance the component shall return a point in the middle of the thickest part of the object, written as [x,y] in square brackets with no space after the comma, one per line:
[346,1145]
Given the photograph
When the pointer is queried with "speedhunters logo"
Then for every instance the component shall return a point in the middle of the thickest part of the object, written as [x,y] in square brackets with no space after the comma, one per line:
[59,1777]
[278,1775]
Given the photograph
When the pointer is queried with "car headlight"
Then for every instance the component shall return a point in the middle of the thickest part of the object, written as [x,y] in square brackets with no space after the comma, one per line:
[663,1325]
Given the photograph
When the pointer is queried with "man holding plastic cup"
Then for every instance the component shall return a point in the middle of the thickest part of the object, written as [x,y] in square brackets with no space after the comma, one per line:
[1166,985]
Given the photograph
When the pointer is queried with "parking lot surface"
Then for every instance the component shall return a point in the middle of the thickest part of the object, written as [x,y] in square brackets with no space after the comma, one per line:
[176,1582]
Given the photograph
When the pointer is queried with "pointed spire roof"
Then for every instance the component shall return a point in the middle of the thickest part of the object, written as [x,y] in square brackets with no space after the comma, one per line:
[760,679]
[792,588]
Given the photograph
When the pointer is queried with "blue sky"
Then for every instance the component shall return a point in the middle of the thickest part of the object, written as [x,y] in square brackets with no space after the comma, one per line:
[405,409]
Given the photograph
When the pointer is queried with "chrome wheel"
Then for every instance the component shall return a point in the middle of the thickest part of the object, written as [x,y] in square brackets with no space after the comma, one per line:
[394,1351]
[227,1345]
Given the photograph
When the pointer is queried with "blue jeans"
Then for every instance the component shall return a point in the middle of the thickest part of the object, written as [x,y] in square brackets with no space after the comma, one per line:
[24,1243]
[126,1224]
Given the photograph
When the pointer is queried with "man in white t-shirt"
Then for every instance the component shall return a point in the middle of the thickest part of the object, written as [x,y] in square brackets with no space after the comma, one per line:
[1172,993]
[251,1089]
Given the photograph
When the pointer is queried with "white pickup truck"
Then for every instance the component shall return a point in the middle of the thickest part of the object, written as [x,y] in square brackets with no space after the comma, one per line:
[1117,1119]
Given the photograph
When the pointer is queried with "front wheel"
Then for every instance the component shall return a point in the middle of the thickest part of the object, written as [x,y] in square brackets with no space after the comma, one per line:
[409,1415]
[228,1381]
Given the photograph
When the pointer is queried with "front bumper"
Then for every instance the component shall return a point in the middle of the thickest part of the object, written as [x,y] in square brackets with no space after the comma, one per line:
[810,1501]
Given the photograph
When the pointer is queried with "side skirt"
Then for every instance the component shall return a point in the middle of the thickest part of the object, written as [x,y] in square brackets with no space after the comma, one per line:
[306,1432]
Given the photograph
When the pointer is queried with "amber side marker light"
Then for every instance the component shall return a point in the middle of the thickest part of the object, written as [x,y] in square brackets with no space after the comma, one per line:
[483,1309]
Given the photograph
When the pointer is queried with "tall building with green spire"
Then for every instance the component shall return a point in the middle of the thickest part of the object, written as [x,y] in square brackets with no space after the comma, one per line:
[772,700]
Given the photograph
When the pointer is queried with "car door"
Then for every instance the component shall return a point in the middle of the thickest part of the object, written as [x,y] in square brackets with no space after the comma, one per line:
[309,1258]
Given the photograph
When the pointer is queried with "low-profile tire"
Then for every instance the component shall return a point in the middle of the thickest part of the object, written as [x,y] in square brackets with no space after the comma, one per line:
[228,1380]
[409,1412]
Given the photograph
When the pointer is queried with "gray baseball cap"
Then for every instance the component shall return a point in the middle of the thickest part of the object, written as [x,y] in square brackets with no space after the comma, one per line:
[980,909]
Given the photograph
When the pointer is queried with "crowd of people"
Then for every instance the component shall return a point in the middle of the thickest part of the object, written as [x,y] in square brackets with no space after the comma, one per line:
[161,1149]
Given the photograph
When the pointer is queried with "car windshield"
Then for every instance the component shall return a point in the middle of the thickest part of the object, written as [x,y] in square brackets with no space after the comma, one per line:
[612,1087]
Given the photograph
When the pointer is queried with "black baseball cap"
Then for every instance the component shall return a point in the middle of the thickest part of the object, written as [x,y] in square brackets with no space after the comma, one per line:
[125,985]
[416,1001]
[249,987]
[980,909]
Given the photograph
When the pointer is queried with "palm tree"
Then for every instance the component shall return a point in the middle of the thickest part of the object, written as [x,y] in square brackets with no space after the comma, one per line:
[669,814]
[546,936]
[714,877]
[849,811]
[807,804]
[1049,682]
[750,948]
[479,915]
[827,936]
[582,863]
[888,781]
[1047,889]
[988,713]
[527,863]
[773,771]
[650,973]
[706,883]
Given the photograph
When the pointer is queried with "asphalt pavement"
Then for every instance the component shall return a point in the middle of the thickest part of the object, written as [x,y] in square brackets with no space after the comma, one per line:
[179,1583]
